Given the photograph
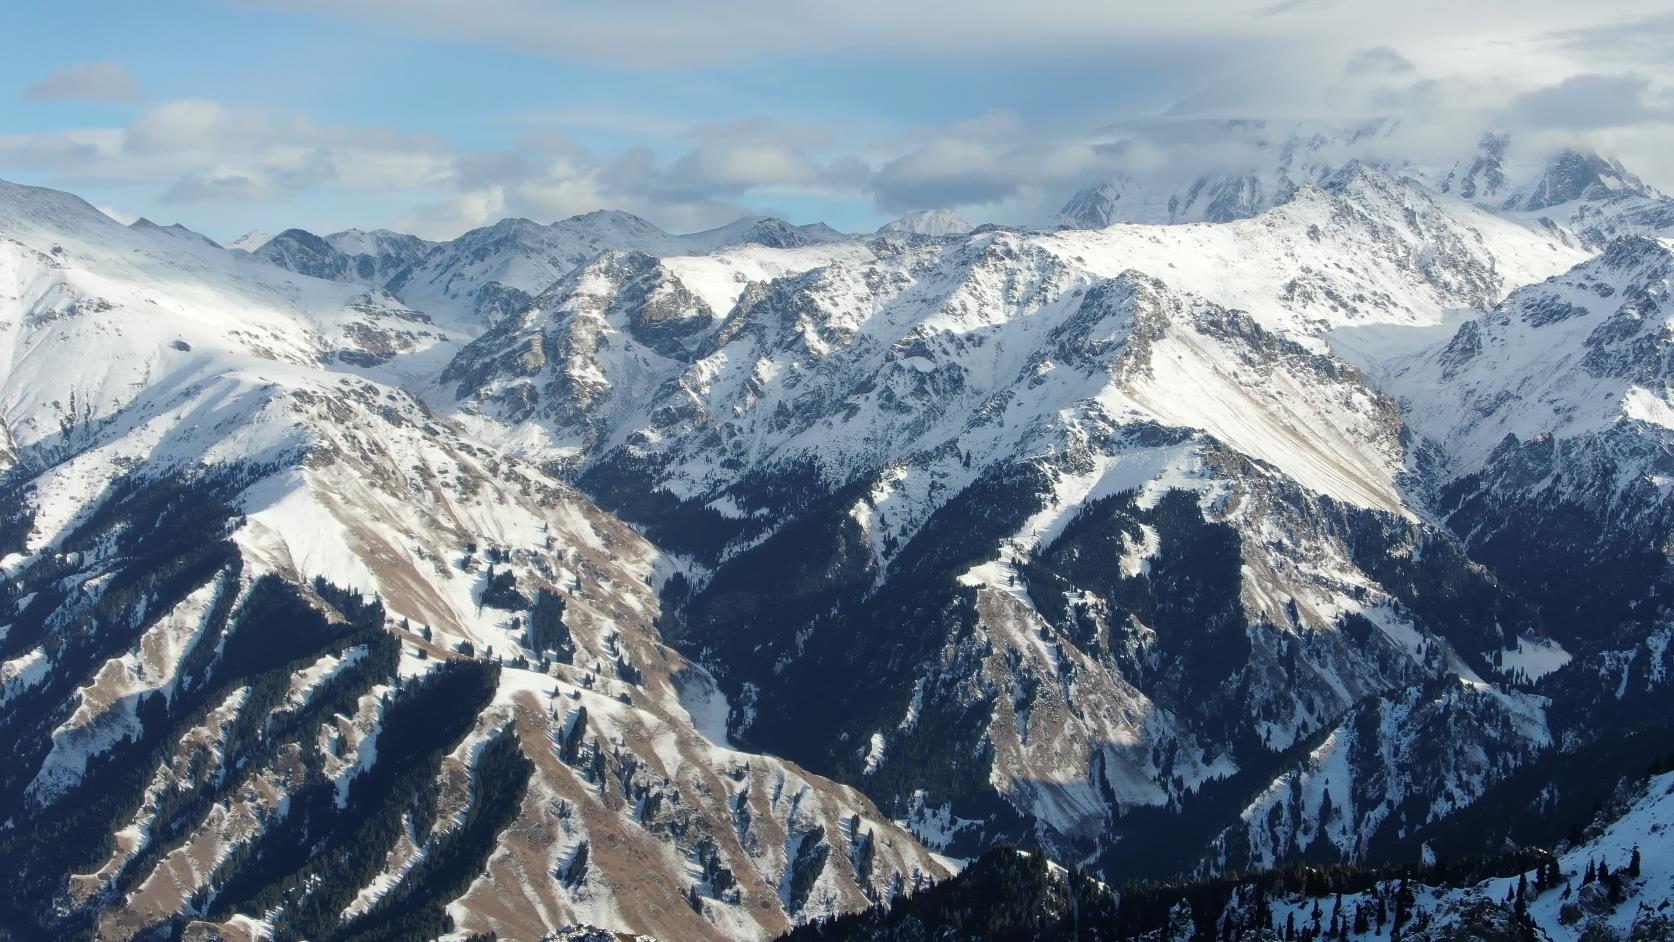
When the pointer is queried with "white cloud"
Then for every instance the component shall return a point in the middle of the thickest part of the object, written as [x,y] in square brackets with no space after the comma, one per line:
[217,184]
[740,167]
[87,81]
[1378,59]
[672,34]
[1540,67]
[192,125]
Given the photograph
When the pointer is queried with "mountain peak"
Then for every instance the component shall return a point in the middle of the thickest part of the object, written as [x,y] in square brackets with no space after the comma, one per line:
[1093,207]
[251,241]
[176,230]
[1573,175]
[929,222]
[48,207]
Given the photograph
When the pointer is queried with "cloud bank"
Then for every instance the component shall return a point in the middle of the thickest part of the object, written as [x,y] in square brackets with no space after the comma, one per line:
[1546,71]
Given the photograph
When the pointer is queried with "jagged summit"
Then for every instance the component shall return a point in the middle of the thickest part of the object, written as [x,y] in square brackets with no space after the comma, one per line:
[1092,208]
[1259,165]
[344,652]
[1570,357]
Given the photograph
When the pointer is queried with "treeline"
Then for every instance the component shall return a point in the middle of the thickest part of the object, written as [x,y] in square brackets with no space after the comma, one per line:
[1010,896]
[414,910]
[1005,896]
[308,866]
[275,634]
[154,543]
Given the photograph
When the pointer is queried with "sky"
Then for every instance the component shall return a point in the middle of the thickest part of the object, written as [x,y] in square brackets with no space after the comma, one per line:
[436,116]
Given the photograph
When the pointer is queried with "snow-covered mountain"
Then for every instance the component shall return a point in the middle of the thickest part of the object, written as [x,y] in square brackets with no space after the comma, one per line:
[254,594]
[1219,171]
[1612,880]
[1591,197]
[701,585]
[494,271]
[250,241]
[1126,393]
[928,222]
[353,256]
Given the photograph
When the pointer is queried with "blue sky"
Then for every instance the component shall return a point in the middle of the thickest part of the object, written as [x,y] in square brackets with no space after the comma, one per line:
[433,116]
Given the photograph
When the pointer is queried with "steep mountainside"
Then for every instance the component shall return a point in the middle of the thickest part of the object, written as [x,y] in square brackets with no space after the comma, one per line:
[1615,881]
[285,652]
[1592,198]
[703,585]
[1124,545]
[354,256]
[1561,466]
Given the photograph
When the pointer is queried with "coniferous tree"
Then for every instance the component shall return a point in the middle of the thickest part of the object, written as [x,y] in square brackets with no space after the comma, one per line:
[547,631]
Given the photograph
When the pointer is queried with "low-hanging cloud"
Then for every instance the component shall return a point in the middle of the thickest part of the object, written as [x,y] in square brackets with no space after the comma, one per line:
[1378,59]
[1588,102]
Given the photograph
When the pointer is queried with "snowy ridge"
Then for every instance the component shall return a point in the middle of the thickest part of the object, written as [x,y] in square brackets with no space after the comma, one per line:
[119,366]
[1204,358]
[1156,544]
[1567,357]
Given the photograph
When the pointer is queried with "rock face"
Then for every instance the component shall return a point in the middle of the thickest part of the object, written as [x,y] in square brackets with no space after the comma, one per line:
[701,585]
[354,256]
[1130,549]
[1093,208]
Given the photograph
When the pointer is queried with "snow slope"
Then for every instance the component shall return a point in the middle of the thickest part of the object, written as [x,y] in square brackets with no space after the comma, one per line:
[130,357]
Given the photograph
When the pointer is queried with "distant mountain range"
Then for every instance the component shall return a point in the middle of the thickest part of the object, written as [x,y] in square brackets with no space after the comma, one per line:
[360,586]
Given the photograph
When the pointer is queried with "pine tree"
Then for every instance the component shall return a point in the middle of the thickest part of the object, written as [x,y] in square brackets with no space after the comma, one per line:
[1633,863]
